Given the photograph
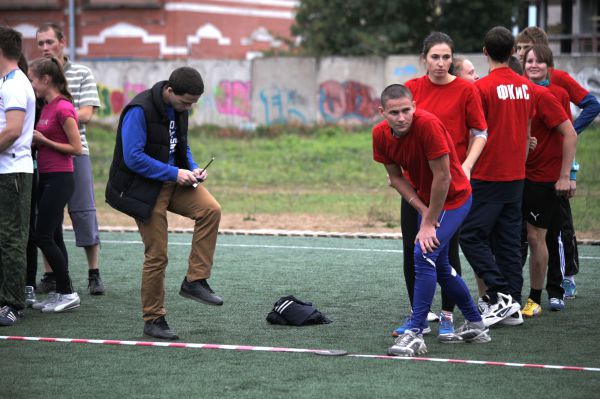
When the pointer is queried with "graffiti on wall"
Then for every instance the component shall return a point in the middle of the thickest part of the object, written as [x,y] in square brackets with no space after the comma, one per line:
[282,106]
[233,97]
[347,100]
[114,100]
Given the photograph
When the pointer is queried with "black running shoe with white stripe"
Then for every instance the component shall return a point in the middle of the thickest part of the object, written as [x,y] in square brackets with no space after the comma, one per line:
[9,316]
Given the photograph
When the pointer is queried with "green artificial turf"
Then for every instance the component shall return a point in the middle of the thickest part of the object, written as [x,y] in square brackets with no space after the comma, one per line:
[357,283]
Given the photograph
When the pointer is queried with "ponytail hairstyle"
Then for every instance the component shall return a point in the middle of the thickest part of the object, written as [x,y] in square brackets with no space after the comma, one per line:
[51,67]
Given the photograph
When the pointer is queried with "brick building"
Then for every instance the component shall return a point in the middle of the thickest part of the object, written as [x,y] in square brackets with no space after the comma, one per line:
[157,29]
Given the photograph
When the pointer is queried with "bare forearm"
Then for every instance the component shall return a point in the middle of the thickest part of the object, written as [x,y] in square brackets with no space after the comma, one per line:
[439,191]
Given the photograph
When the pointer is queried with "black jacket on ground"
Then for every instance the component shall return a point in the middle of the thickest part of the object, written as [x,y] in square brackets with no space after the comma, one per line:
[127,191]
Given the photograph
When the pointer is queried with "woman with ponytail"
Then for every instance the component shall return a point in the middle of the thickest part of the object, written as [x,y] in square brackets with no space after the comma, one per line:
[57,139]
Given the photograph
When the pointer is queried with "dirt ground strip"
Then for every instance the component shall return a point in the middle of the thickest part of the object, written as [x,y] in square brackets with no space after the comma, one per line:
[283,222]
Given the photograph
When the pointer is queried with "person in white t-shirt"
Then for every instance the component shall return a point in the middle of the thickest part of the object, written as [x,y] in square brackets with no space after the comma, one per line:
[17,115]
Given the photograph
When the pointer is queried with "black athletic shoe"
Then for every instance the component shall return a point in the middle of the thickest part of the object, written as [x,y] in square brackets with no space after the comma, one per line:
[200,291]
[95,285]
[158,328]
[9,315]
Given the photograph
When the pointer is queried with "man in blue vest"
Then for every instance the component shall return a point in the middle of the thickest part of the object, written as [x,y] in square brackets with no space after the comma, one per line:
[153,171]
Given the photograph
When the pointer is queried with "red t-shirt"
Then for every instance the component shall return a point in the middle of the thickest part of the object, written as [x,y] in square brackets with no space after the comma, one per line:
[53,116]
[563,79]
[508,105]
[545,161]
[457,104]
[426,140]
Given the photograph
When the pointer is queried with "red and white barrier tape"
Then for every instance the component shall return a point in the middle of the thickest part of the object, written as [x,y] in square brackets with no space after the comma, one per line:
[289,350]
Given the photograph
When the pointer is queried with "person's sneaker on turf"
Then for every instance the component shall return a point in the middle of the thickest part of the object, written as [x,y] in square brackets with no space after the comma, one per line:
[200,291]
[446,326]
[30,298]
[432,317]
[62,303]
[9,316]
[410,343]
[531,308]
[402,329]
[515,319]
[503,308]
[557,304]
[570,289]
[39,305]
[483,304]
[46,285]
[469,332]
[158,328]
[95,285]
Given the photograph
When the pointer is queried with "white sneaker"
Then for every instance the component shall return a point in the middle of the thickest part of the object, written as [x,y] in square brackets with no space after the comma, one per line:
[408,344]
[515,319]
[41,304]
[432,317]
[500,310]
[62,303]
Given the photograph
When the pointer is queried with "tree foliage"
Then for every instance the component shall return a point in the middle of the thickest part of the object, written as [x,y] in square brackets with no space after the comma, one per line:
[381,27]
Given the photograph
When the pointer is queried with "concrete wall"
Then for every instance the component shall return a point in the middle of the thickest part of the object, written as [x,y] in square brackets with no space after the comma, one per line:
[270,91]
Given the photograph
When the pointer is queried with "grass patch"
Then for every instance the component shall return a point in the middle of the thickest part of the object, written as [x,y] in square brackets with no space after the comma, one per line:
[323,171]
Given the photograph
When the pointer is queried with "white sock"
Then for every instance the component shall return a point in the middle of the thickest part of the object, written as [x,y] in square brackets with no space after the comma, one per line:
[570,278]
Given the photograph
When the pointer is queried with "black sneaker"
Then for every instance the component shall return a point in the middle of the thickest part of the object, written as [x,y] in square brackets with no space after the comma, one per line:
[9,316]
[200,291]
[158,328]
[46,285]
[95,285]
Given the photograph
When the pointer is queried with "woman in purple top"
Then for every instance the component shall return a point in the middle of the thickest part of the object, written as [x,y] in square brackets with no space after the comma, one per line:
[57,139]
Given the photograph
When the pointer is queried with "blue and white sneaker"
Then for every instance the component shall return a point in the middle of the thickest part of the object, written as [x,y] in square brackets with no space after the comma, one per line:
[404,327]
[446,330]
[570,289]
[557,304]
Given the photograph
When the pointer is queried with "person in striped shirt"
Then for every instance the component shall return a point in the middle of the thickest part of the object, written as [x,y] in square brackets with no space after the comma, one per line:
[82,208]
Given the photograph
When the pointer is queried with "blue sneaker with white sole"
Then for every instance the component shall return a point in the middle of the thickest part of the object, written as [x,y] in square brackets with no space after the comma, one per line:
[446,327]
[570,289]
[404,327]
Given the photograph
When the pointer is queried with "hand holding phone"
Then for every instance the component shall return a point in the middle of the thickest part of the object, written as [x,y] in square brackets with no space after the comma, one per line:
[202,171]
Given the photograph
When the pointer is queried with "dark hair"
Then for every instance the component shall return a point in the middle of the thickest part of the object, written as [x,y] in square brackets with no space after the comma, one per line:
[499,43]
[394,92]
[436,38]
[53,27]
[515,65]
[532,34]
[23,64]
[10,43]
[542,53]
[52,68]
[186,80]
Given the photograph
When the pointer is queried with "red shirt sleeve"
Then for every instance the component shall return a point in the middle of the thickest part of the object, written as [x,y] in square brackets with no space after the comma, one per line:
[550,111]
[575,90]
[435,143]
[474,107]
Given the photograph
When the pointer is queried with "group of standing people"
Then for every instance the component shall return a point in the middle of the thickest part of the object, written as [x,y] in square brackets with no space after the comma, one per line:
[45,166]
[153,171]
[475,160]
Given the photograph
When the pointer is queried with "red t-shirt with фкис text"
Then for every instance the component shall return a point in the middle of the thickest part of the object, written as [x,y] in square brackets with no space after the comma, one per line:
[508,105]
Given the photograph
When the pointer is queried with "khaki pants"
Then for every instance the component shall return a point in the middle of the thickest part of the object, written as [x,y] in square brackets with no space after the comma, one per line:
[195,203]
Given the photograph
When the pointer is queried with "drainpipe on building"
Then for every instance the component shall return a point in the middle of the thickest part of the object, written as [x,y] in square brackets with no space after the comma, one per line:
[72,30]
